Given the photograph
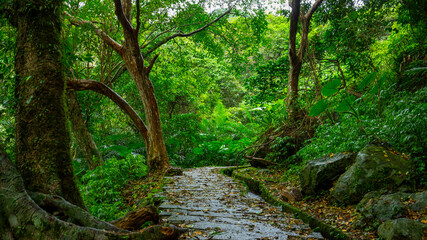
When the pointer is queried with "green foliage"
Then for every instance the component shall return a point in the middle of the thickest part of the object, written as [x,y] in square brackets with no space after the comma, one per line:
[318,108]
[212,141]
[7,85]
[283,150]
[268,83]
[331,88]
[402,126]
[101,188]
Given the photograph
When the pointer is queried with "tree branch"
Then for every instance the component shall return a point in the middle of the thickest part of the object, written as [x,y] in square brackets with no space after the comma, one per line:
[120,69]
[296,6]
[138,16]
[159,44]
[80,85]
[121,17]
[152,63]
[313,8]
[101,34]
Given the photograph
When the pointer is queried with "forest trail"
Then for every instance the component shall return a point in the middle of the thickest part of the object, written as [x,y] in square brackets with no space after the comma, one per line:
[214,206]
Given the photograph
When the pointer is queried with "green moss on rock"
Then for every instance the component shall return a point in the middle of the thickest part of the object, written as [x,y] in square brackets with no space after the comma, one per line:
[375,168]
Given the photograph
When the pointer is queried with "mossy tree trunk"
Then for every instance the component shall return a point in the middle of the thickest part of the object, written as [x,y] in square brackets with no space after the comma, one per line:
[42,134]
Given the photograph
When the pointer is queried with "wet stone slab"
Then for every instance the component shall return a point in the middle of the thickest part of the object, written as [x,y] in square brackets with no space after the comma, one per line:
[213,206]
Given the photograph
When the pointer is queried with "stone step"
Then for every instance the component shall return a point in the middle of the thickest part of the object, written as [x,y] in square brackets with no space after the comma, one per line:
[212,206]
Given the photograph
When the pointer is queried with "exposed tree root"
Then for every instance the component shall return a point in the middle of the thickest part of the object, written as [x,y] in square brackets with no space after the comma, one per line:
[68,212]
[135,219]
[22,218]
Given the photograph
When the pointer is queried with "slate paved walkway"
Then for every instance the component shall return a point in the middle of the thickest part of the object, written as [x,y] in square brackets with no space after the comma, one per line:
[214,206]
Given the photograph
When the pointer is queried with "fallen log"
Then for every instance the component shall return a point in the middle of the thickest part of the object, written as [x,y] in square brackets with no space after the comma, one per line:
[259,162]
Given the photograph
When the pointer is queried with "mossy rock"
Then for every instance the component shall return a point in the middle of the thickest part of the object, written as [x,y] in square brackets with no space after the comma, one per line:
[402,228]
[375,168]
[319,174]
[375,206]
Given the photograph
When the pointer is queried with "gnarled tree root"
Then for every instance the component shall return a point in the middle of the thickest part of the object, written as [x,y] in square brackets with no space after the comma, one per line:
[135,219]
[21,217]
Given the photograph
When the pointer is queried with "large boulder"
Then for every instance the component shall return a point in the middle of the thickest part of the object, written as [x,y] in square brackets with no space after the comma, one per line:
[319,174]
[418,201]
[402,228]
[375,168]
[375,206]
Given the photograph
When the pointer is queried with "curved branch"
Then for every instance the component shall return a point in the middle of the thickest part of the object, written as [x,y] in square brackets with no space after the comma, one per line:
[152,63]
[159,44]
[107,39]
[80,85]
[145,44]
[313,8]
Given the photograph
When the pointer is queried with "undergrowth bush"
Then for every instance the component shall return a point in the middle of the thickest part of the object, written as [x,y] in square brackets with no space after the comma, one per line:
[401,126]
[212,141]
[101,188]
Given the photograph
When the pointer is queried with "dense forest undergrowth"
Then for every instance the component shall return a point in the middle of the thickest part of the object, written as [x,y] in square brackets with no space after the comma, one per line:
[225,92]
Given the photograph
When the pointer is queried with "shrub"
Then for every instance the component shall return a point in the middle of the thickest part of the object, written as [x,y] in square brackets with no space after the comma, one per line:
[101,188]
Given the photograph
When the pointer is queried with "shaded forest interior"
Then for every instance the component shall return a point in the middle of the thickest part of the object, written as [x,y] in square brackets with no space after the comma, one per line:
[99,100]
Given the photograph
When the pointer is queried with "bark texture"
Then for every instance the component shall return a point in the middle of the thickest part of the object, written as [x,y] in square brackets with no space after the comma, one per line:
[81,133]
[22,218]
[296,55]
[42,134]
[157,159]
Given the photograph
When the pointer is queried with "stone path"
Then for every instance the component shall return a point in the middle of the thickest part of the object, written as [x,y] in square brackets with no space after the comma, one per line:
[214,206]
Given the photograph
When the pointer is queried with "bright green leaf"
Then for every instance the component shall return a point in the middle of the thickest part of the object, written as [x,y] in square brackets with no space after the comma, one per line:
[368,79]
[345,104]
[382,80]
[331,88]
[318,108]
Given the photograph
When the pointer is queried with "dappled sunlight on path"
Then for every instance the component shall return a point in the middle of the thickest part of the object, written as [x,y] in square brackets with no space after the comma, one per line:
[214,206]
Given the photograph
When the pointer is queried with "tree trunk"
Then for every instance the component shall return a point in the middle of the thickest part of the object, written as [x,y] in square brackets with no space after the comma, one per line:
[157,158]
[296,56]
[81,133]
[42,134]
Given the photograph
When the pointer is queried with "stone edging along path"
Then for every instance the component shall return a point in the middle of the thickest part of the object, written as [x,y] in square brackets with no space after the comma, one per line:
[258,187]
[214,206]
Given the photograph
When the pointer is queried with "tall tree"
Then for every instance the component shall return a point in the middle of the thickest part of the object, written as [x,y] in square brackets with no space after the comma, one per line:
[133,54]
[296,55]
